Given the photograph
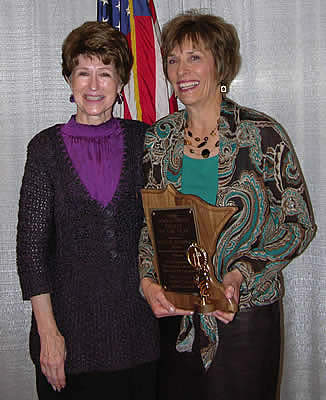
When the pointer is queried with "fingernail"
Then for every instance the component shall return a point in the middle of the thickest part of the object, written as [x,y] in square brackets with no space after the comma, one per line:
[54,388]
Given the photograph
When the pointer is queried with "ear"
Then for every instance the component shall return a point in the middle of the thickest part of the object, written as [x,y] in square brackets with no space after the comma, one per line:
[68,80]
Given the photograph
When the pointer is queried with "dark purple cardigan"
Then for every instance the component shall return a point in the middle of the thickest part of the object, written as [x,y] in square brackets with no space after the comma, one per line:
[86,255]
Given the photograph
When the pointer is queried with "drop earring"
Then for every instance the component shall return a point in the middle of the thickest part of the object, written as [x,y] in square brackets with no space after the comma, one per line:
[71,98]
[223,88]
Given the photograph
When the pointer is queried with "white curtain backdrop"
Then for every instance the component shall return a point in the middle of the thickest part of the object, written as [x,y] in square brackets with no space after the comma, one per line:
[283,74]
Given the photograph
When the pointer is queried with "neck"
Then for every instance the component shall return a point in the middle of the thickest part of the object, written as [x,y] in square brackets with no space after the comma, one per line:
[203,120]
[204,115]
[86,119]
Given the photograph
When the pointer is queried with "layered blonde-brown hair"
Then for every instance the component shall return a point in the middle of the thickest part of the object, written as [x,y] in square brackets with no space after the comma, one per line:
[206,30]
[101,40]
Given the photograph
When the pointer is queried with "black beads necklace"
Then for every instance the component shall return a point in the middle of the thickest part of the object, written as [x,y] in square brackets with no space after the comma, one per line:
[202,147]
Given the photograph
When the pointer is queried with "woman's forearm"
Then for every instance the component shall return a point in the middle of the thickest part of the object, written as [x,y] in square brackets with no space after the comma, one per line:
[43,312]
[53,348]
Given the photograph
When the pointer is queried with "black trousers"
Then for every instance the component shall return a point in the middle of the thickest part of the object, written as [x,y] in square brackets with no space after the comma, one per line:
[137,383]
[246,365]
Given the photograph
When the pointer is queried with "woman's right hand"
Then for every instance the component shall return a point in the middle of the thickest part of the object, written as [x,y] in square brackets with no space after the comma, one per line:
[160,305]
[52,359]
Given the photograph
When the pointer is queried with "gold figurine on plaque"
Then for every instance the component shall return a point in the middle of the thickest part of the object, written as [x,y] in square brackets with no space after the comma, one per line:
[197,257]
[183,230]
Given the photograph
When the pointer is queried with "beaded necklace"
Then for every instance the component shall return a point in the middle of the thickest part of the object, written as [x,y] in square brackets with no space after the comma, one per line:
[202,147]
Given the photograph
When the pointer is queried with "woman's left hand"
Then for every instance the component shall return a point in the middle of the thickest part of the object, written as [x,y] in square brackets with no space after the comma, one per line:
[231,282]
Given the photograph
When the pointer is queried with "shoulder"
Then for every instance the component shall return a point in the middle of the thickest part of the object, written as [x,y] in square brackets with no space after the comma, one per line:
[133,125]
[167,126]
[244,113]
[250,119]
[41,150]
[44,138]
[134,130]
[174,119]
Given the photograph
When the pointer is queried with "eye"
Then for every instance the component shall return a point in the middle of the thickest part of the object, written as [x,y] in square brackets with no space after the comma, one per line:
[171,61]
[105,74]
[195,57]
[82,73]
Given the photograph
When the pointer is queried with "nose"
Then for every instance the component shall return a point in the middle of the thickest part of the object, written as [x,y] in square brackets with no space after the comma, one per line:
[93,82]
[182,68]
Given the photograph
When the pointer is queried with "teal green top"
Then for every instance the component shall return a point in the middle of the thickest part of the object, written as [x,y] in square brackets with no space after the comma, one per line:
[199,177]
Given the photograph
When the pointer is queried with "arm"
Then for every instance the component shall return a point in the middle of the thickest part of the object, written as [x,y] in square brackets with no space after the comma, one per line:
[34,233]
[275,222]
[35,224]
[53,350]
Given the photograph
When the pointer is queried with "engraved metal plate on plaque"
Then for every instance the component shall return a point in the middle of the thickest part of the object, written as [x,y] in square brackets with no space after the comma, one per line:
[174,231]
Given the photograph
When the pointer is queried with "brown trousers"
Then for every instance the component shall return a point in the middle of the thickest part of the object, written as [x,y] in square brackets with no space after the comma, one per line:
[246,365]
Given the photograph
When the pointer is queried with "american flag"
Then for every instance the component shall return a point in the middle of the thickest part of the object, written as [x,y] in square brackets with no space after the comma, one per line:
[147,97]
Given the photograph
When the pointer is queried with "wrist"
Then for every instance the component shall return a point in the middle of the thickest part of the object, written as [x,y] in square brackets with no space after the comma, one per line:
[237,275]
[146,282]
[47,329]
[43,313]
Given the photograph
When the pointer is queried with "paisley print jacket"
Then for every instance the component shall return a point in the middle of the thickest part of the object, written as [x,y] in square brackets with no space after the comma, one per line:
[258,172]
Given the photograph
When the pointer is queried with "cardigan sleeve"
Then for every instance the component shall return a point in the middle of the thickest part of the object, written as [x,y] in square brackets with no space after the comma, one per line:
[35,224]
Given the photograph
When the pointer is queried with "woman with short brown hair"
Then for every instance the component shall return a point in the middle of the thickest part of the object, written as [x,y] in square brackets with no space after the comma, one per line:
[100,40]
[217,35]
[80,216]
[227,155]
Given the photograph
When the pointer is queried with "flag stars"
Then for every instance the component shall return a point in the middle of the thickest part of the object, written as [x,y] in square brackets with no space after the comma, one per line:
[105,2]
[128,11]
[118,5]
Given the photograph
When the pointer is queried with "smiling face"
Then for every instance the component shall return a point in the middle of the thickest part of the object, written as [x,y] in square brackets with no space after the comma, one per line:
[95,87]
[192,73]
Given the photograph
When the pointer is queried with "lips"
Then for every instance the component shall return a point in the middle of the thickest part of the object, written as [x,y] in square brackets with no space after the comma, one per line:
[187,85]
[93,98]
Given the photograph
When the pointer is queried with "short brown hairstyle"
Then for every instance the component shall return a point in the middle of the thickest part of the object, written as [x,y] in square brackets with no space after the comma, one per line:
[97,39]
[216,35]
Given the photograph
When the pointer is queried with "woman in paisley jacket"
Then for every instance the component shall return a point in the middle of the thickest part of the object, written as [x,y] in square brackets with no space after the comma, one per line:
[227,155]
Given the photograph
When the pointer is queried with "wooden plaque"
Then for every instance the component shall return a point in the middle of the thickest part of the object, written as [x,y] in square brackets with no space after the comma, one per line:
[175,221]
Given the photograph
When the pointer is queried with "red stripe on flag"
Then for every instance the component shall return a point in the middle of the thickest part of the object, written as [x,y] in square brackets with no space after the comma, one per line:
[146,62]
[152,10]
[173,104]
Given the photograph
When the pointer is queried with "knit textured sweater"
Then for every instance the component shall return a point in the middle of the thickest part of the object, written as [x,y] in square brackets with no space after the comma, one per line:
[85,255]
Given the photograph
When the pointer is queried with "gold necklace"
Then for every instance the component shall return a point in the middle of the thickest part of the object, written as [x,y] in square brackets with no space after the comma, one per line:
[202,147]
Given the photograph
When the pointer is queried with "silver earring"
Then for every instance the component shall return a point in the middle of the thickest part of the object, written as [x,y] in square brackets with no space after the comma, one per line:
[120,98]
[223,89]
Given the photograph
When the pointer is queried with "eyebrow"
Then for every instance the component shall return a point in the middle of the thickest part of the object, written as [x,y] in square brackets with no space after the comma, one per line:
[187,51]
[105,67]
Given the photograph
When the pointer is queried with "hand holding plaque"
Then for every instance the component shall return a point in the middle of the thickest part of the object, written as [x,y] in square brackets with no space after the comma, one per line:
[183,230]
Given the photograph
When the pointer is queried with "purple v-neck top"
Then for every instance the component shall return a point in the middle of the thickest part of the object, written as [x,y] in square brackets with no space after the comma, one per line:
[96,153]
